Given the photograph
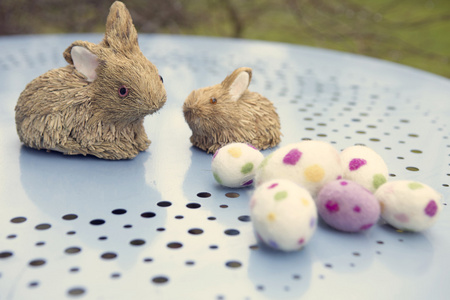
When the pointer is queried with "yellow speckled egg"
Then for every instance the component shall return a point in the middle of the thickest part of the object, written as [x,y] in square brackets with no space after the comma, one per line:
[234,165]
[311,164]
[284,215]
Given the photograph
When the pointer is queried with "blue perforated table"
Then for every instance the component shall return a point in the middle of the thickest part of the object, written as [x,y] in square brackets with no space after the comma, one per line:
[159,227]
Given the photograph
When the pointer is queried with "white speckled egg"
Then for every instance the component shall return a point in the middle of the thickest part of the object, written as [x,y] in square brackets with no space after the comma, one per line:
[364,166]
[311,164]
[234,165]
[284,215]
[408,205]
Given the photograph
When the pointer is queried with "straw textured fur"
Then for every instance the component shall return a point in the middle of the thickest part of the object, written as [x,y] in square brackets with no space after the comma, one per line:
[228,112]
[95,105]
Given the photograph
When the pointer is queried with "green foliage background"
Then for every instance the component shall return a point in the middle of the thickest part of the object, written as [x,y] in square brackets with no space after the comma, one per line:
[411,32]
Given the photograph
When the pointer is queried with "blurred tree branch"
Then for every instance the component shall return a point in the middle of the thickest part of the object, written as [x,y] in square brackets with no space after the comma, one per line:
[382,28]
[29,16]
[367,29]
[242,14]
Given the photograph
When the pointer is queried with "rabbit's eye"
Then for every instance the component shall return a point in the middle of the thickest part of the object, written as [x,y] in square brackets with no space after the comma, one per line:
[213,100]
[123,91]
[162,80]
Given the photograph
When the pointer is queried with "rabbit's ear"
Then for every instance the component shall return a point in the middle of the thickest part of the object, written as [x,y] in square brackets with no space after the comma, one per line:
[120,33]
[238,82]
[83,59]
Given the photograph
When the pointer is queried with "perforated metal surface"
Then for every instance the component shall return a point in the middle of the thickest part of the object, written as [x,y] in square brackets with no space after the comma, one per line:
[159,227]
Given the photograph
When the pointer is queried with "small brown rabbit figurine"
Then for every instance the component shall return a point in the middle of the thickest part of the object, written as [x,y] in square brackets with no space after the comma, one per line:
[228,112]
[95,105]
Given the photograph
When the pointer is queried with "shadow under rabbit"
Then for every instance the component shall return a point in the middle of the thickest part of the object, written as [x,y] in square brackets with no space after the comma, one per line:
[91,191]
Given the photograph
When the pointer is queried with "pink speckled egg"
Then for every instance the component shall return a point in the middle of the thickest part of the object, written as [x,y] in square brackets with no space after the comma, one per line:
[347,206]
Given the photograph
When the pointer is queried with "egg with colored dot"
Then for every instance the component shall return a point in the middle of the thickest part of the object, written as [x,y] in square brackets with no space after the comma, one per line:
[409,205]
[283,214]
[347,206]
[311,164]
[364,166]
[234,165]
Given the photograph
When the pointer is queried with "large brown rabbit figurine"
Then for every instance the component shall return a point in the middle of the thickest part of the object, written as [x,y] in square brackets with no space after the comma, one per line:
[228,112]
[95,105]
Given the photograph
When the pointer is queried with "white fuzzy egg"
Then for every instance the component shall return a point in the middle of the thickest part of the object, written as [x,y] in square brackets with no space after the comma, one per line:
[408,205]
[311,164]
[364,166]
[284,215]
[234,165]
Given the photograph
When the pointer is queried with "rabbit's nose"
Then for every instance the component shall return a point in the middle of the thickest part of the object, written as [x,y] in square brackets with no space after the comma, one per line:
[163,100]
[187,108]
[189,112]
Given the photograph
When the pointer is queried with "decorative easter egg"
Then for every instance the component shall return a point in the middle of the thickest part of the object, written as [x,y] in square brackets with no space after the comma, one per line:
[364,166]
[284,215]
[311,164]
[409,205]
[347,206]
[234,165]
